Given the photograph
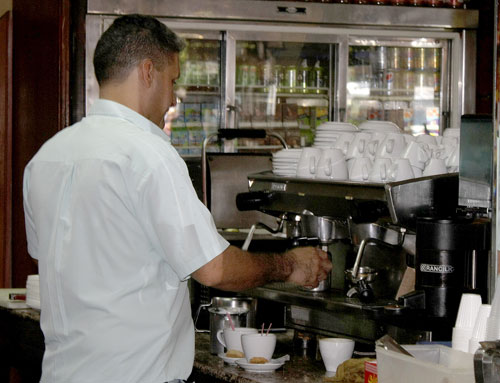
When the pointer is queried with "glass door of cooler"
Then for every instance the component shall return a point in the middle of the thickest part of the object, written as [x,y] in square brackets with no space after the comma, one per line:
[198,91]
[280,82]
[403,81]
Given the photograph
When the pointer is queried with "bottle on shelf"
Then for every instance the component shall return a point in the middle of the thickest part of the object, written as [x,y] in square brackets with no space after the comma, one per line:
[290,78]
[242,68]
[303,76]
[318,77]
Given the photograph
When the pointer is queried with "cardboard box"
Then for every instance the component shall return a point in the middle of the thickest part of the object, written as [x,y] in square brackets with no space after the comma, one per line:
[371,372]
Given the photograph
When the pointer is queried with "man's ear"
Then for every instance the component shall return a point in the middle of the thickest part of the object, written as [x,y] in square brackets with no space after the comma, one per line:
[146,72]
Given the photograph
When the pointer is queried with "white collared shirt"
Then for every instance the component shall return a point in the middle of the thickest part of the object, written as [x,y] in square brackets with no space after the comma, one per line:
[117,228]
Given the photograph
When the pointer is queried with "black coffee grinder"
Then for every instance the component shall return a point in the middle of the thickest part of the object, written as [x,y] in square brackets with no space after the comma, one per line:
[451,258]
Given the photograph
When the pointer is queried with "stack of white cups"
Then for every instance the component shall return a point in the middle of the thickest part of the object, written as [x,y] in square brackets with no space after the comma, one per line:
[479,331]
[493,322]
[33,291]
[466,318]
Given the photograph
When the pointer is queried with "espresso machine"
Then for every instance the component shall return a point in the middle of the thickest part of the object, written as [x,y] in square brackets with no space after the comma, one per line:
[381,237]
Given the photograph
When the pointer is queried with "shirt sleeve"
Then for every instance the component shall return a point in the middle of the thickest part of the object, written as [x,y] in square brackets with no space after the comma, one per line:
[177,221]
[31,235]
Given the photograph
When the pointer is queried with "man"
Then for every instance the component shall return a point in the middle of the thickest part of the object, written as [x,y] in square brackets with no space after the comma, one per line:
[117,229]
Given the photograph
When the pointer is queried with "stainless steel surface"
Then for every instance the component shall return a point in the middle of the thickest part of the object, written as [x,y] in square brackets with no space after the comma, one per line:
[324,228]
[242,311]
[476,162]
[388,343]
[487,362]
[426,196]
[226,173]
[364,273]
[389,234]
[344,14]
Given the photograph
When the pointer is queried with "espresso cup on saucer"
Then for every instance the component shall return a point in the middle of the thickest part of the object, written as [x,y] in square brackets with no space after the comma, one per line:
[258,346]
[332,165]
[308,162]
[360,169]
[231,339]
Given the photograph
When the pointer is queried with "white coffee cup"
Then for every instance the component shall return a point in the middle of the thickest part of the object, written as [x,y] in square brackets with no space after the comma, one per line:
[308,162]
[453,159]
[434,167]
[392,146]
[335,351]
[380,170]
[343,141]
[418,154]
[400,170]
[375,141]
[426,139]
[359,145]
[231,339]
[360,169]
[417,172]
[258,345]
[332,165]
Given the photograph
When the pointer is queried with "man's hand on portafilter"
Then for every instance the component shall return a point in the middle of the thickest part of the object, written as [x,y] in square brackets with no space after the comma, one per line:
[310,266]
[237,270]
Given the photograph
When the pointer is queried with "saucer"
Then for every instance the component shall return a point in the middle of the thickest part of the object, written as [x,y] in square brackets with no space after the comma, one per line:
[264,367]
[228,360]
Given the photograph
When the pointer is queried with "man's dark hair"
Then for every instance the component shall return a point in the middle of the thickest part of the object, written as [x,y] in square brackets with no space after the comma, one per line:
[128,41]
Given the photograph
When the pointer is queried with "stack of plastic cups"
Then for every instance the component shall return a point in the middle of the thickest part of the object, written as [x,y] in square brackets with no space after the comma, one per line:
[466,318]
[479,331]
[493,322]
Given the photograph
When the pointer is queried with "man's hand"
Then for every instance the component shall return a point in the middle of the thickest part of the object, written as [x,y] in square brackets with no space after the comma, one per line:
[310,266]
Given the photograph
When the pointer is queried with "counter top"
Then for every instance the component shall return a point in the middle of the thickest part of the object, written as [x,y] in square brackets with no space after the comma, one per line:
[297,369]
[24,330]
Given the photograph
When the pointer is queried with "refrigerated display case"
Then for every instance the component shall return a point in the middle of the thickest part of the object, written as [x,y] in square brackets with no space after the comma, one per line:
[287,67]
[398,81]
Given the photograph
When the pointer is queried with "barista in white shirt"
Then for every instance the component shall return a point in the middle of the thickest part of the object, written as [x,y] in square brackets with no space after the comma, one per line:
[117,229]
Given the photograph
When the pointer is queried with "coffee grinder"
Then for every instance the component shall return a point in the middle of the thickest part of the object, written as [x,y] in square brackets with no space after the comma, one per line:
[451,259]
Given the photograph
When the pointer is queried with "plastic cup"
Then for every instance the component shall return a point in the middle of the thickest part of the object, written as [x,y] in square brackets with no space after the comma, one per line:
[468,310]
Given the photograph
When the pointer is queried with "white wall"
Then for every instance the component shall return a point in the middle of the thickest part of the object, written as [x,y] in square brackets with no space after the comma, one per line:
[5,5]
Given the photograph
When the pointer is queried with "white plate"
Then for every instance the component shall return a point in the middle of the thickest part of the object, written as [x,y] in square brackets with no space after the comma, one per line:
[265,367]
[338,126]
[231,361]
[382,126]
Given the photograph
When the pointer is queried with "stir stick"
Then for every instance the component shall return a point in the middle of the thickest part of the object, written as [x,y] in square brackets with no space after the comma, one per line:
[230,321]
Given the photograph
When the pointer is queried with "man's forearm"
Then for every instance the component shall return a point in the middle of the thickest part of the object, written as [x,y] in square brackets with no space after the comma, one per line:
[237,270]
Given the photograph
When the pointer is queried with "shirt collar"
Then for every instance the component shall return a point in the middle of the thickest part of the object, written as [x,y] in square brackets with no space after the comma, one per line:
[102,107]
